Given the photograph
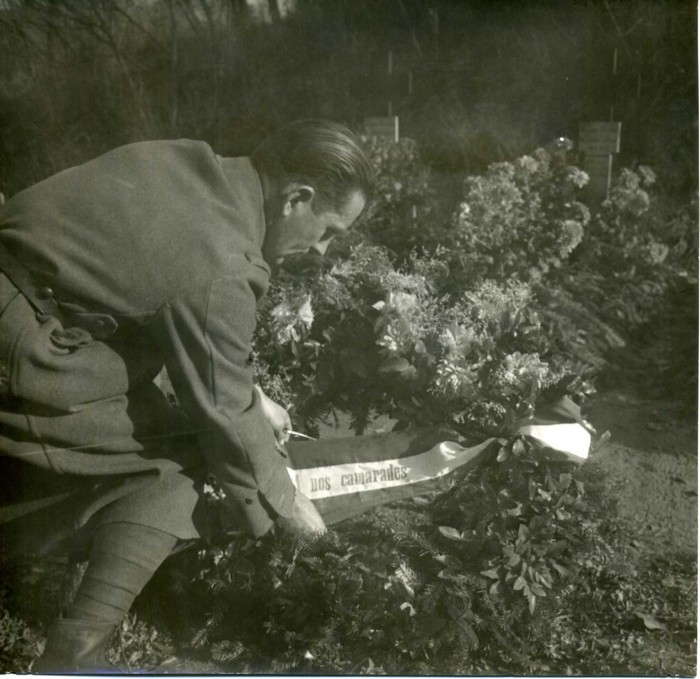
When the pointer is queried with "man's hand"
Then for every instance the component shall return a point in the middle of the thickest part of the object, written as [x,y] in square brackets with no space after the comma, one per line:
[276,415]
[304,519]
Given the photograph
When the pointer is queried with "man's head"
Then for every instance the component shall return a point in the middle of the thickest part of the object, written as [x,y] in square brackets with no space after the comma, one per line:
[316,180]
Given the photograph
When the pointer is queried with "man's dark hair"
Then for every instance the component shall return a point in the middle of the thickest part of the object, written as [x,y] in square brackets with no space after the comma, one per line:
[323,154]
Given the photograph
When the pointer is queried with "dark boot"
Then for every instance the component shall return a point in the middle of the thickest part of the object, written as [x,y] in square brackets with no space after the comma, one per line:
[75,646]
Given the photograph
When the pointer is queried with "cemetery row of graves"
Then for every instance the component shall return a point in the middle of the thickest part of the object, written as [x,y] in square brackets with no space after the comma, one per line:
[521,293]
[526,291]
[487,276]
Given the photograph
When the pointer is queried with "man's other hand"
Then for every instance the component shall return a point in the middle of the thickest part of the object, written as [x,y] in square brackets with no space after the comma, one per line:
[304,519]
[276,415]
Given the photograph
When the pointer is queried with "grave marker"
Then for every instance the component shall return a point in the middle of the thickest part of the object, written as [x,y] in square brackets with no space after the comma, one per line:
[600,137]
[598,141]
[385,127]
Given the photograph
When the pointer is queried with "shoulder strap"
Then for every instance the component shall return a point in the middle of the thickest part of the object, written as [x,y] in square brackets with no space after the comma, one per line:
[41,298]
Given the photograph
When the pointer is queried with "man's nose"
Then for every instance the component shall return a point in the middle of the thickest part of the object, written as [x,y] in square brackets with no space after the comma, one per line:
[321,246]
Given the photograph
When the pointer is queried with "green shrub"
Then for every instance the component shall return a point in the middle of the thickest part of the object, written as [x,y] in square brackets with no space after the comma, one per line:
[402,216]
[19,643]
[520,220]
[367,338]
[454,583]
[637,248]
[596,277]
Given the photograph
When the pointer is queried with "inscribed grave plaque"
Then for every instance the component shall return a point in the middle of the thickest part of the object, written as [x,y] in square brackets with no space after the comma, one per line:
[385,127]
[599,138]
[597,141]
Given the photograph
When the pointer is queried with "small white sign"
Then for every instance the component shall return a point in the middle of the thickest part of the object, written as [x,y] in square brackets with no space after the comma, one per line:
[385,127]
[599,138]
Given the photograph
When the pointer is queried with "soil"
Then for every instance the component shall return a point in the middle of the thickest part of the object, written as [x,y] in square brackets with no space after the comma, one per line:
[650,408]
[651,466]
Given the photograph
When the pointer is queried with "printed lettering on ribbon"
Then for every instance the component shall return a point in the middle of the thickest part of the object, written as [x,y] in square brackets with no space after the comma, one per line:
[352,477]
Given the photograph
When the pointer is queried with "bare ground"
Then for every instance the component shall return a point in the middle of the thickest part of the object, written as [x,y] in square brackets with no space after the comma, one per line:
[651,464]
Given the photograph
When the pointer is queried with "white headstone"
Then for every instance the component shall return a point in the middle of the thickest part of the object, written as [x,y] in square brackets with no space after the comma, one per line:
[599,137]
[385,127]
[598,141]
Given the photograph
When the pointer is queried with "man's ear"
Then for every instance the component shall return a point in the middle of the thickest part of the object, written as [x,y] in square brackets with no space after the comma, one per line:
[297,195]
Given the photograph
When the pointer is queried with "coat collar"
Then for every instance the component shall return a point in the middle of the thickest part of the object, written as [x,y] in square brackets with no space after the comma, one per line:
[245,183]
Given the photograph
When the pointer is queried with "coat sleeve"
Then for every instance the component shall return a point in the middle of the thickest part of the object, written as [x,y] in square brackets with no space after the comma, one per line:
[208,331]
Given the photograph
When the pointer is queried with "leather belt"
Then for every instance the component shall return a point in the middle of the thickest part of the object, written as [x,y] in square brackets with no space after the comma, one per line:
[99,325]
[40,297]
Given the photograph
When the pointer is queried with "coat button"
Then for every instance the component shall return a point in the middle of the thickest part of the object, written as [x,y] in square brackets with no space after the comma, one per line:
[248,501]
[44,293]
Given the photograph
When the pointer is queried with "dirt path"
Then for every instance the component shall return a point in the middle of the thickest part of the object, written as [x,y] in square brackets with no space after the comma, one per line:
[651,465]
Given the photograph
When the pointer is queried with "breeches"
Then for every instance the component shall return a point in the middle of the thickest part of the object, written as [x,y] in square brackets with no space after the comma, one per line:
[83,412]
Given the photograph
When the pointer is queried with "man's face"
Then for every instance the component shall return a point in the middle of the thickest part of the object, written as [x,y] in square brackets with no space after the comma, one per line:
[295,228]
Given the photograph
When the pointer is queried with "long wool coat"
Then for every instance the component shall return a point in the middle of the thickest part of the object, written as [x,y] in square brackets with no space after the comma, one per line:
[153,250]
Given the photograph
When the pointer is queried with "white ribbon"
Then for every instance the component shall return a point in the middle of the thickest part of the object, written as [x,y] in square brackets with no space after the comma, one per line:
[352,477]
[335,480]
[571,439]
